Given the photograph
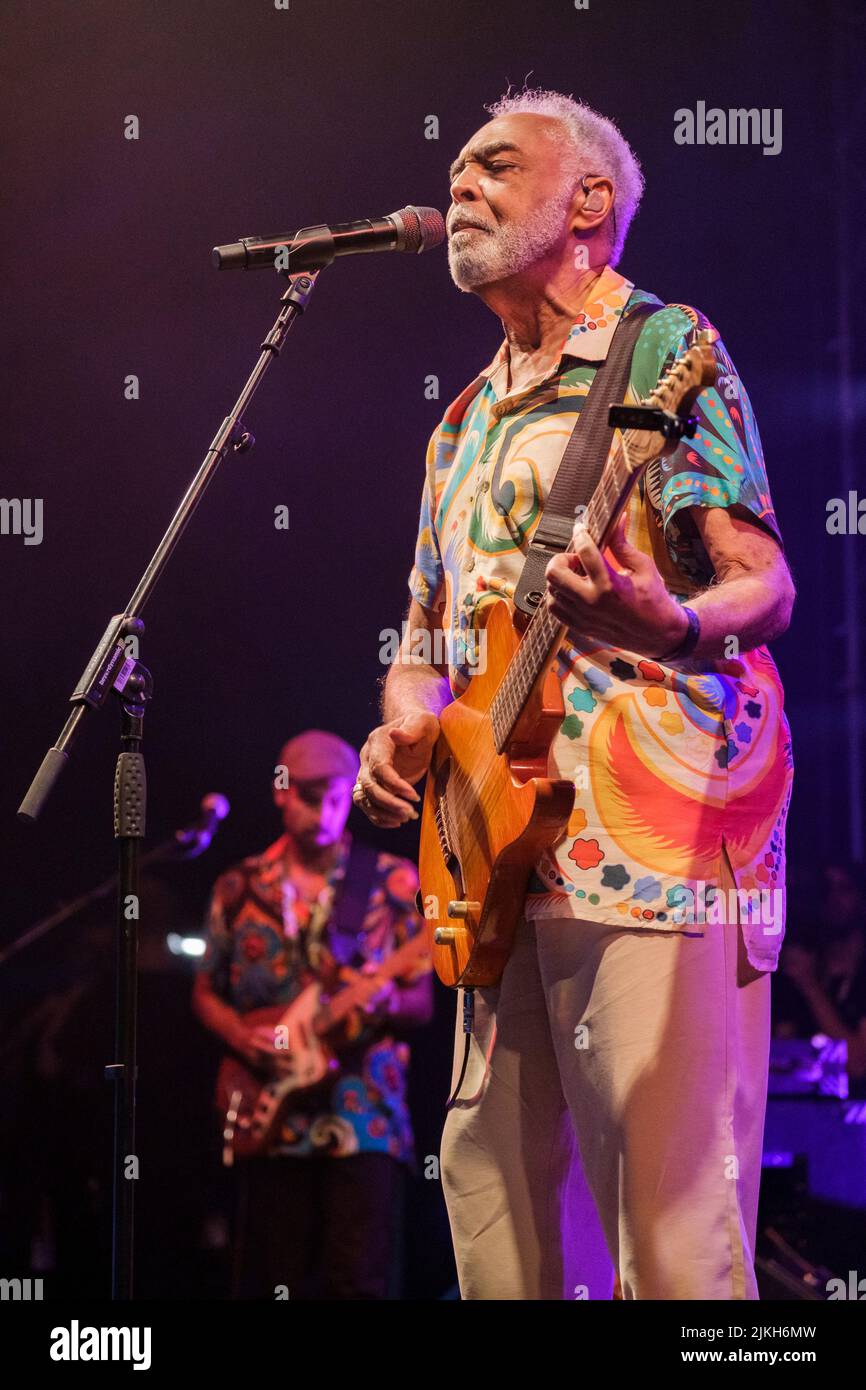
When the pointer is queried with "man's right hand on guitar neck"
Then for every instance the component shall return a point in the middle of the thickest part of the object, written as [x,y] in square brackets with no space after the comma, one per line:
[395,755]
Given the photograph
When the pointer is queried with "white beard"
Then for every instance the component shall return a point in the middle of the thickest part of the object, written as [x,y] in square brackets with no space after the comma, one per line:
[482,257]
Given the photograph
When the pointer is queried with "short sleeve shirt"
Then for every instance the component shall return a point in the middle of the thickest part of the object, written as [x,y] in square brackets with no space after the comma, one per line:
[671,767]
[257,955]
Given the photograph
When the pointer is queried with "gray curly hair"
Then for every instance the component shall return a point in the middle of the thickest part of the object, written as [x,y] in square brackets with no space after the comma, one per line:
[598,146]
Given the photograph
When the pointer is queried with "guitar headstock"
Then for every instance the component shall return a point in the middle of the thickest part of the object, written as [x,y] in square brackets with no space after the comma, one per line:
[675,392]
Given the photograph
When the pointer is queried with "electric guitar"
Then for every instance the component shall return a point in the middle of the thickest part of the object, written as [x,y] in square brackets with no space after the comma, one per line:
[251,1102]
[489,807]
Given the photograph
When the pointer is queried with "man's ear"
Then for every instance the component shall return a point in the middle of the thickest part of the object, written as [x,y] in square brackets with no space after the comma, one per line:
[592,204]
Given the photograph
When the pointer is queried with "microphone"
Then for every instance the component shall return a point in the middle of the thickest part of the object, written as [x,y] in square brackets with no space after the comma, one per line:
[411,229]
[196,838]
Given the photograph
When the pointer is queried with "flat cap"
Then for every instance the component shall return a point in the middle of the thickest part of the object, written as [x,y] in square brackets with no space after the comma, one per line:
[315,755]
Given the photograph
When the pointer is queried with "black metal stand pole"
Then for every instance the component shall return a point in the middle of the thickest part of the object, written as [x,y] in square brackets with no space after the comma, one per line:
[114,668]
[130,800]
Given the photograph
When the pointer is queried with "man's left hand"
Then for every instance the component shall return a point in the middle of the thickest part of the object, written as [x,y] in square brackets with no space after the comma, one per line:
[627,606]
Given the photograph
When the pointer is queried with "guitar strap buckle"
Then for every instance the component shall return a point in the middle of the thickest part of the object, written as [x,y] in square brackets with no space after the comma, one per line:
[530,590]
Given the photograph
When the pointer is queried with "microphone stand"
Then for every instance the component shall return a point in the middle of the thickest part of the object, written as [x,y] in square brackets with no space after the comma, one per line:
[115,668]
[169,852]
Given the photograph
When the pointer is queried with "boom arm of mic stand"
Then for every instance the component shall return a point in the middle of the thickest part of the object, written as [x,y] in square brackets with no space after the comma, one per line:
[159,854]
[111,663]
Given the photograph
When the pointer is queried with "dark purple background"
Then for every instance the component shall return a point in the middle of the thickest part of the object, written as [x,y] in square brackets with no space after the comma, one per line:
[256,121]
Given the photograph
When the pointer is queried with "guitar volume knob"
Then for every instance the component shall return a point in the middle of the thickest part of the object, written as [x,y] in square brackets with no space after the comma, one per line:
[447,936]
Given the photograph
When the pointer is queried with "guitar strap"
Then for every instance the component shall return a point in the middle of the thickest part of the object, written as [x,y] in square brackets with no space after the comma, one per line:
[583,458]
[344,925]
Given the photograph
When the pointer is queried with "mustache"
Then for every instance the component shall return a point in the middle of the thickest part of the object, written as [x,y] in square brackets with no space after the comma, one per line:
[459,222]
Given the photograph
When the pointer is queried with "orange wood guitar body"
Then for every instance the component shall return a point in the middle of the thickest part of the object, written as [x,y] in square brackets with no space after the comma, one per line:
[487,815]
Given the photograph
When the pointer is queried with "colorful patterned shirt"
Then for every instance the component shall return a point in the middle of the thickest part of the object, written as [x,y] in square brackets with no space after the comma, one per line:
[670,766]
[258,954]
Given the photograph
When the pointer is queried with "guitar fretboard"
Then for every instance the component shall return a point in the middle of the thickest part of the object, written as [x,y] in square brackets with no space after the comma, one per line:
[543,635]
[342,1003]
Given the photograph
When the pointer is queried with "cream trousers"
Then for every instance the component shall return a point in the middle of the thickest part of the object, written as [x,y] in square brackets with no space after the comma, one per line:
[611,1118]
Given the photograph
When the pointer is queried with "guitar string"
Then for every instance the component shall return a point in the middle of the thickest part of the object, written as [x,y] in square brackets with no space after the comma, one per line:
[530,658]
[536,641]
[463,788]
[390,968]
[532,653]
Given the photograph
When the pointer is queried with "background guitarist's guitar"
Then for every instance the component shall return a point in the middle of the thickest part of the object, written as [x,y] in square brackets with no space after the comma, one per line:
[489,807]
[253,1103]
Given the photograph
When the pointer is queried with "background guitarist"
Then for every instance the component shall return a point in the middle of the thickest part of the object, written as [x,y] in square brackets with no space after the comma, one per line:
[643,1039]
[316,1213]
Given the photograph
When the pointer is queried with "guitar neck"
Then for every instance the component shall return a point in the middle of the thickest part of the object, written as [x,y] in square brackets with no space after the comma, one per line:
[349,998]
[632,452]
[543,635]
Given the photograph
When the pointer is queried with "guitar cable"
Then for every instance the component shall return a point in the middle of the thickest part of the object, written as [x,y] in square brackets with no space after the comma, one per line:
[468,1023]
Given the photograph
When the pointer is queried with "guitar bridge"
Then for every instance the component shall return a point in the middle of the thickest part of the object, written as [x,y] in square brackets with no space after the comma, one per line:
[443,828]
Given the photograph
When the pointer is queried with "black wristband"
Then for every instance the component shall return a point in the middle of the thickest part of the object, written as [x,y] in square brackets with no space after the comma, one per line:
[689,642]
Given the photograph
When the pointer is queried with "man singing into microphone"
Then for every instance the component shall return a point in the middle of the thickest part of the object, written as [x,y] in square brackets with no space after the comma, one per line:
[621,1039]
[316,1213]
